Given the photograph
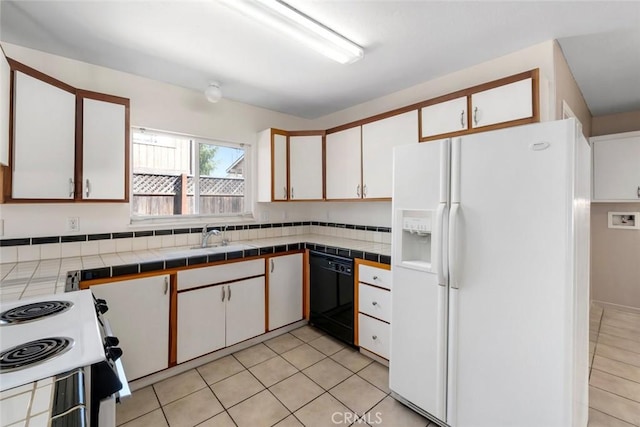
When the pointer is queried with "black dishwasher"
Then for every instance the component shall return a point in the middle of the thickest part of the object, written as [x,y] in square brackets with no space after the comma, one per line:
[331,294]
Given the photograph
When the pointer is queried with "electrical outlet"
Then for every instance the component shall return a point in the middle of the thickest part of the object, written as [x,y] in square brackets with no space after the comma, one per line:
[73,223]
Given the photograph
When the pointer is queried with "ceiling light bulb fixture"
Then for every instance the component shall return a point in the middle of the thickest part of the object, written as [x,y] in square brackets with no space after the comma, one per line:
[213,92]
[293,23]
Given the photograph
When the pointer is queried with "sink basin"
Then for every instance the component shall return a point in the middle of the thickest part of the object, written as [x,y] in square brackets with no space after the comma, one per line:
[195,251]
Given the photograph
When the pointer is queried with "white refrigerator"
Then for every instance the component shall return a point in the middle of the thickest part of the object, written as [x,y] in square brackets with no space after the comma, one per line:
[490,271]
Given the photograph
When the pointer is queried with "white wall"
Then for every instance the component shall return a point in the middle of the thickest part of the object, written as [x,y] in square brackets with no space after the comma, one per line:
[162,106]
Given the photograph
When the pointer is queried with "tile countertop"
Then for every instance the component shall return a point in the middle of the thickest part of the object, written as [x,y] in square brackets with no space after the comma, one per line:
[32,278]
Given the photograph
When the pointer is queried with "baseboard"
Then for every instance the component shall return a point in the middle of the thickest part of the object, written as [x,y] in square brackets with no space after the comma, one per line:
[202,360]
[370,355]
[616,306]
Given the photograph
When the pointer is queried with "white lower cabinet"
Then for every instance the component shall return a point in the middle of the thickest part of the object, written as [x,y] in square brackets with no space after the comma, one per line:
[374,335]
[285,289]
[374,307]
[219,316]
[139,316]
[201,322]
[245,310]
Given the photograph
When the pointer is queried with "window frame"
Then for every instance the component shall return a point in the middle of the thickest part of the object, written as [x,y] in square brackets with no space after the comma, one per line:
[247,174]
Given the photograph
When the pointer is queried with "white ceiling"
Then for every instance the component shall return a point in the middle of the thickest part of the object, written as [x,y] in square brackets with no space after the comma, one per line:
[189,43]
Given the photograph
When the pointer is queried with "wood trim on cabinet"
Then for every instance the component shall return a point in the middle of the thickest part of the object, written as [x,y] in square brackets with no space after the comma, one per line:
[18,66]
[305,289]
[79,149]
[267,278]
[281,132]
[306,133]
[6,171]
[173,321]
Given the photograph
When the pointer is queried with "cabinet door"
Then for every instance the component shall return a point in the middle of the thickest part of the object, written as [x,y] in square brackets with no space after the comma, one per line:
[245,310]
[378,140]
[104,135]
[344,164]
[443,117]
[305,167]
[46,149]
[280,189]
[139,317]
[5,88]
[285,290]
[201,322]
[505,103]
[616,169]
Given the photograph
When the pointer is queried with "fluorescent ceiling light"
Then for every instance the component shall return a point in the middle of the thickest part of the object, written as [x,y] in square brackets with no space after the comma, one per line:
[295,24]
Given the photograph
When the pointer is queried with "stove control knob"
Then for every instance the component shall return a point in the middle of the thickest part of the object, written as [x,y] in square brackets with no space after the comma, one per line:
[111,341]
[102,307]
[113,353]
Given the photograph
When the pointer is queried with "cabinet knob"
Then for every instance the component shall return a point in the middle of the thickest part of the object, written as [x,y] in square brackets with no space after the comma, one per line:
[475,116]
[462,119]
[638,192]
[88,188]
[71,187]
[222,287]
[285,192]
[292,192]
[272,266]
[166,285]
[374,303]
[375,277]
[364,191]
[375,337]
[358,190]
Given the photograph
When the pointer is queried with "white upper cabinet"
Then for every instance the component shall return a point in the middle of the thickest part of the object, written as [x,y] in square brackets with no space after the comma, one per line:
[44,126]
[616,167]
[104,142]
[280,187]
[378,140]
[5,89]
[68,144]
[289,167]
[502,104]
[444,117]
[343,164]
[305,167]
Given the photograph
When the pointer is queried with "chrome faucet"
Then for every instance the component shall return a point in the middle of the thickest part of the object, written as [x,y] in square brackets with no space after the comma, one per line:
[206,234]
[225,240]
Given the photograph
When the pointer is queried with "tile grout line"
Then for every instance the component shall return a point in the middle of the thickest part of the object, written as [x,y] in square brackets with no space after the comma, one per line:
[609,415]
[618,376]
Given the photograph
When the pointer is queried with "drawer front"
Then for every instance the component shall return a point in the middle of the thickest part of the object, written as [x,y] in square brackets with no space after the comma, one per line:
[374,335]
[375,276]
[188,279]
[374,301]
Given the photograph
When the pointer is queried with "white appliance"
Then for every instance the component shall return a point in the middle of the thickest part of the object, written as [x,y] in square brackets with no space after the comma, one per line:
[491,277]
[64,337]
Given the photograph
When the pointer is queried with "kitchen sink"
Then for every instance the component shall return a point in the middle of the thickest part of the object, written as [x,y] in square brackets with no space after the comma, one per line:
[195,251]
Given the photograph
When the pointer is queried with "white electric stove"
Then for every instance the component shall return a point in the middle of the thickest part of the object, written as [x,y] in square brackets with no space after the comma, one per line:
[46,336]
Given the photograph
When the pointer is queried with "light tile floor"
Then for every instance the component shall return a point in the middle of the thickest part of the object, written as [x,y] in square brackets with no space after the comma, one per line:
[302,378]
[614,380]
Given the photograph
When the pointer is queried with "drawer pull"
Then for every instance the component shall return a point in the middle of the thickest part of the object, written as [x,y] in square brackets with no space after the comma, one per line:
[375,277]
[374,303]
[375,337]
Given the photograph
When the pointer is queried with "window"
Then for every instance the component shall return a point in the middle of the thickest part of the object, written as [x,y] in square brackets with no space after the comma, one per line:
[177,175]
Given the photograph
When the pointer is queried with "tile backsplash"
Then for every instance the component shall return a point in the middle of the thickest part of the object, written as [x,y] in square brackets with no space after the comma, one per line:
[52,247]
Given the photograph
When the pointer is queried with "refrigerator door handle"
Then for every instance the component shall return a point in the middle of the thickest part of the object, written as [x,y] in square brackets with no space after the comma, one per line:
[453,237]
[441,264]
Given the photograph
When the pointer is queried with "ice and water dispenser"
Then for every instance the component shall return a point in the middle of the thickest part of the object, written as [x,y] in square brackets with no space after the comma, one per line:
[416,237]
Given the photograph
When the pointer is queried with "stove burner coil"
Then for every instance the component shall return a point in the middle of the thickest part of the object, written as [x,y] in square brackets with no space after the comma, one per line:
[30,312]
[33,352]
